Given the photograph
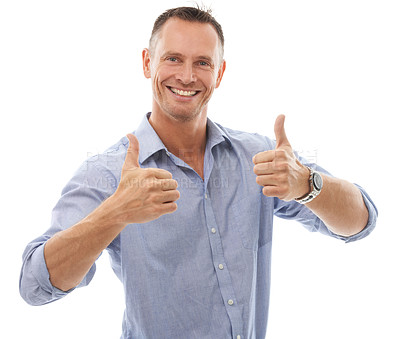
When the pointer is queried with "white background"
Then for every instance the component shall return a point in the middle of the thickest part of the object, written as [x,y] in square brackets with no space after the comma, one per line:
[71,85]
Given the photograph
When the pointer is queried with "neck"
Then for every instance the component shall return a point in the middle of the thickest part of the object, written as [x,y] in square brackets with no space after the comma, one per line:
[184,139]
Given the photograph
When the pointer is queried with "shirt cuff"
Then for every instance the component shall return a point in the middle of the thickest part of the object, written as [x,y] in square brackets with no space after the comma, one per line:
[41,273]
[372,217]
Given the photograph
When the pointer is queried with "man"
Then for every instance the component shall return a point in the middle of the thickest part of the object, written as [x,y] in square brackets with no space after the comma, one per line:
[185,206]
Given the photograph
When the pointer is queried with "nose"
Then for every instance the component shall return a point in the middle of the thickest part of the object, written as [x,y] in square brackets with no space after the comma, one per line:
[187,74]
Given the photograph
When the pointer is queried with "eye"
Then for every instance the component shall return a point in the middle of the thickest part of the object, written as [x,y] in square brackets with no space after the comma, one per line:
[172,59]
[204,63]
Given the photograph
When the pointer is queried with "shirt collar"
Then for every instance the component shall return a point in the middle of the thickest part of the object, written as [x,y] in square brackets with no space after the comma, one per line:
[150,143]
[216,135]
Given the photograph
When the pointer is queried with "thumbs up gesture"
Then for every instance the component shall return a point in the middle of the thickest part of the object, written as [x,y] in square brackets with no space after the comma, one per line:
[143,194]
[279,171]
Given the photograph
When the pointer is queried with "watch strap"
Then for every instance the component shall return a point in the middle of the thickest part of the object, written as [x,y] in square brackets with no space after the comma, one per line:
[314,192]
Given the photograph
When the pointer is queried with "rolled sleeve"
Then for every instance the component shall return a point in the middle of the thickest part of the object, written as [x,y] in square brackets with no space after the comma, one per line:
[313,223]
[35,286]
[295,211]
[83,193]
[372,217]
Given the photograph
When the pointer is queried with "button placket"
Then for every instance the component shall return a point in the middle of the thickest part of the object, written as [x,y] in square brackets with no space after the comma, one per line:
[221,271]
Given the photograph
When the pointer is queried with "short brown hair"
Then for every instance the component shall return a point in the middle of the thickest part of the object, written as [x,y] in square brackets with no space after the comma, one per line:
[191,14]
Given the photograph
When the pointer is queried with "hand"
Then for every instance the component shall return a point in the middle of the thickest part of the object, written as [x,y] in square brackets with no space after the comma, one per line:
[279,171]
[143,194]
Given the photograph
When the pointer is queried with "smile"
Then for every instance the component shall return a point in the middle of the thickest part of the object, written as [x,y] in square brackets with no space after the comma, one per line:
[182,92]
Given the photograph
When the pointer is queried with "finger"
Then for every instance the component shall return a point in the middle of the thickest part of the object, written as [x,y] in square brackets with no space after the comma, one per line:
[265,156]
[168,184]
[169,196]
[264,168]
[169,207]
[280,134]
[271,191]
[132,153]
[266,180]
[160,173]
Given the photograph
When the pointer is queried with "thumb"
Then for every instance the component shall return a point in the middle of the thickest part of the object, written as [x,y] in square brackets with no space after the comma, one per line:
[280,134]
[132,154]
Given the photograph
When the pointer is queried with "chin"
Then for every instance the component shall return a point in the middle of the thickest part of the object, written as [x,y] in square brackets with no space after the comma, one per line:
[182,115]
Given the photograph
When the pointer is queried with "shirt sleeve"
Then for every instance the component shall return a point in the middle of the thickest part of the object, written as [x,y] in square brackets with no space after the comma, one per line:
[83,193]
[299,212]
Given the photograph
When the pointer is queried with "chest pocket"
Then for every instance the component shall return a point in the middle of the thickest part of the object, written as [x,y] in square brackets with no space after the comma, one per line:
[246,221]
[253,221]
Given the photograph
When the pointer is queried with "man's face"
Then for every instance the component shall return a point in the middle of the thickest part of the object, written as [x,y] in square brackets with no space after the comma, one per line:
[185,68]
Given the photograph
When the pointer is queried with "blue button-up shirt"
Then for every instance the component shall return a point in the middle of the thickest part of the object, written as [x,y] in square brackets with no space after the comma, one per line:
[200,272]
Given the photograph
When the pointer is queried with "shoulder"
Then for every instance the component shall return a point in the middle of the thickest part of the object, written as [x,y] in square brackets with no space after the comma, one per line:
[118,149]
[105,167]
[112,156]
[247,141]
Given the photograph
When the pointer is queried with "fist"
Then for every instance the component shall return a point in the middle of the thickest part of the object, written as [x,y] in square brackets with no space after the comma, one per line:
[279,171]
[143,194]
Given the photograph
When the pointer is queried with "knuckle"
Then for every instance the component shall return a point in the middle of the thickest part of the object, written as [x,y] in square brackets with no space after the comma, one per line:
[174,184]
[264,166]
[285,166]
[146,173]
[162,184]
[280,153]
[282,179]
[164,172]
[173,196]
[282,166]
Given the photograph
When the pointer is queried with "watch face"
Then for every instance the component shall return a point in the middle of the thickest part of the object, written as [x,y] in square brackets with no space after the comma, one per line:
[317,180]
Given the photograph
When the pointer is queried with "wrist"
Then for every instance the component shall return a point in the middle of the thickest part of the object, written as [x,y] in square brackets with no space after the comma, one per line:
[315,186]
[108,214]
[304,186]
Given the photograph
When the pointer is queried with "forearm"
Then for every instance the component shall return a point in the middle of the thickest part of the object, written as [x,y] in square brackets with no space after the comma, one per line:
[69,254]
[143,194]
[340,206]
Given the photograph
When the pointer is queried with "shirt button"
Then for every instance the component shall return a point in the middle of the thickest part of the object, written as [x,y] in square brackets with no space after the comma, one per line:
[206,196]
[221,267]
[230,302]
[238,336]
[213,230]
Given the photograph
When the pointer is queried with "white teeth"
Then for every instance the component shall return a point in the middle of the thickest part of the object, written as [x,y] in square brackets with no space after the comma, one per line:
[183,93]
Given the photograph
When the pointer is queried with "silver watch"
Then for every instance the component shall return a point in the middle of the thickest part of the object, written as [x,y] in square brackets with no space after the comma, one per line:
[316,184]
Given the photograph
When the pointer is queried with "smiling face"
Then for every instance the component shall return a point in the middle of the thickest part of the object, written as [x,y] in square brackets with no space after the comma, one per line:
[185,67]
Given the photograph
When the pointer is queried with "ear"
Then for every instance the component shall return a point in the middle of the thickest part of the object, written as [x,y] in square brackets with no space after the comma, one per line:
[146,63]
[220,73]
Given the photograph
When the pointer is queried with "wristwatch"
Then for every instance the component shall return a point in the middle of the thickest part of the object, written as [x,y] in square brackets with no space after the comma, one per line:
[316,184]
